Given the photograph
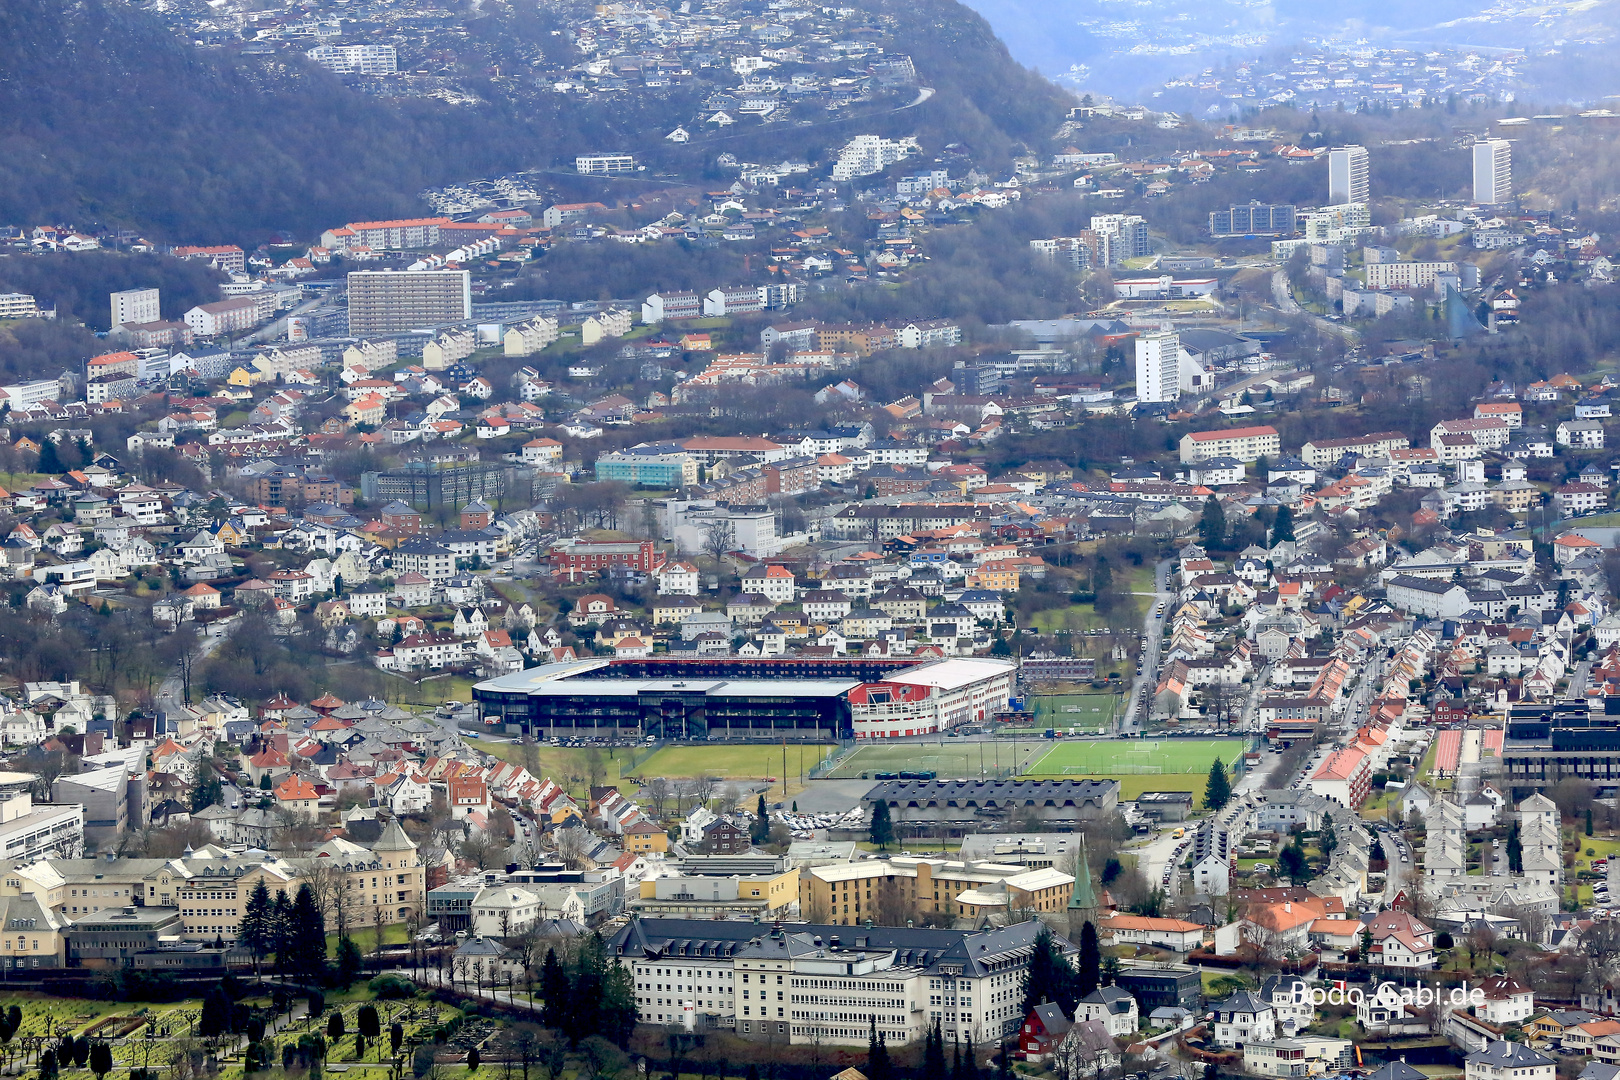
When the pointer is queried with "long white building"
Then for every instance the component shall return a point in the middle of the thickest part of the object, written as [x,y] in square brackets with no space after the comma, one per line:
[826,984]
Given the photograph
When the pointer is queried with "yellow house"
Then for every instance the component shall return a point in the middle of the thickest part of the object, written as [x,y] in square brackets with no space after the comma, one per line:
[703,896]
[905,887]
[998,575]
[231,535]
[370,409]
[644,837]
[243,377]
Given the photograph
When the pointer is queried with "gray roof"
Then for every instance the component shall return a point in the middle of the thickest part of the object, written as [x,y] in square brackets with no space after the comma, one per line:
[1243,1001]
[1508,1055]
[915,947]
[1396,1070]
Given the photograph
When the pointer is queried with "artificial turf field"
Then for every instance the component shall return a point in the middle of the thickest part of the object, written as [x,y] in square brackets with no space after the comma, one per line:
[949,759]
[1139,764]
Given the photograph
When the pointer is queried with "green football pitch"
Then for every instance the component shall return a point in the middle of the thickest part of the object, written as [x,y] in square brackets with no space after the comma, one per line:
[1135,757]
[953,760]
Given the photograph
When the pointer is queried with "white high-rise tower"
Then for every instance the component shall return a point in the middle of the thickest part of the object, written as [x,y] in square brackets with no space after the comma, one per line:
[1349,175]
[1493,171]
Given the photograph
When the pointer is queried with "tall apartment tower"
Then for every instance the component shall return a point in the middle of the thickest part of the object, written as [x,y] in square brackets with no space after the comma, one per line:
[1158,367]
[134,306]
[1349,175]
[1121,237]
[1493,171]
[387,301]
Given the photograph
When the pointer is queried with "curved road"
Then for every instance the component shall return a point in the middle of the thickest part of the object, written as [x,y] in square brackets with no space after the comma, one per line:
[1283,296]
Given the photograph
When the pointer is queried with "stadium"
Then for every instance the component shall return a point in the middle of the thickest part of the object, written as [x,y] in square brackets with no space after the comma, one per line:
[721,698]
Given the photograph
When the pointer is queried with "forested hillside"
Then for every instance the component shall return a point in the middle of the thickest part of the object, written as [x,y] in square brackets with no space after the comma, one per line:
[106,117]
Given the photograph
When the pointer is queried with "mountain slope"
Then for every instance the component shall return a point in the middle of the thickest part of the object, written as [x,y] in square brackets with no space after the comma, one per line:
[106,117]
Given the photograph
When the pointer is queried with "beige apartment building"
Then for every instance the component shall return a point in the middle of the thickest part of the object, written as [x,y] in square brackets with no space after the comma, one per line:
[886,890]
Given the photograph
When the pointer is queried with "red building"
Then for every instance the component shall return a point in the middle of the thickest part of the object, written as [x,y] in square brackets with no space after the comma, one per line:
[588,556]
[1043,1032]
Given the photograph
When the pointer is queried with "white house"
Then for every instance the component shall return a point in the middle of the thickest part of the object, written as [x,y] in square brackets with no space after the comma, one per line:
[1244,1018]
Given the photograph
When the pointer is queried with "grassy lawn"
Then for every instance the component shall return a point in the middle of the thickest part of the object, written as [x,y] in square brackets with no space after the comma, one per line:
[950,758]
[1132,756]
[1427,765]
[433,692]
[567,765]
[366,937]
[751,762]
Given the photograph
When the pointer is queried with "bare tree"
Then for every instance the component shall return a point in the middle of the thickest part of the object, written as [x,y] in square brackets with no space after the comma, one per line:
[484,850]
[658,792]
[1601,942]
[571,847]
[719,537]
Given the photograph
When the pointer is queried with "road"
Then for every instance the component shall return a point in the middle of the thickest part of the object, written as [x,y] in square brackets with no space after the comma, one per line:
[1283,297]
[1147,668]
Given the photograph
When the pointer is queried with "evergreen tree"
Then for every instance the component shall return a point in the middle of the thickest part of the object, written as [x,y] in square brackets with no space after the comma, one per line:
[47,1065]
[1329,839]
[761,831]
[1588,821]
[1049,976]
[306,937]
[933,1064]
[207,791]
[1218,788]
[1089,972]
[1292,863]
[1283,528]
[878,1066]
[349,963]
[334,1025]
[553,990]
[967,1068]
[1515,851]
[396,1036]
[101,1059]
[1212,524]
[366,1021]
[50,461]
[882,830]
[1367,944]
[472,1060]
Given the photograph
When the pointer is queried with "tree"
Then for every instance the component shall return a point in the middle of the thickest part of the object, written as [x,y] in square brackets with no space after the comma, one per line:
[306,937]
[1588,821]
[1218,788]
[472,1060]
[101,1059]
[334,1025]
[933,1063]
[366,1021]
[877,1057]
[1328,839]
[553,990]
[208,790]
[1515,850]
[396,1036]
[1049,976]
[1283,528]
[47,1065]
[1212,524]
[349,964]
[882,830]
[1292,863]
[1089,971]
[1111,870]
[760,833]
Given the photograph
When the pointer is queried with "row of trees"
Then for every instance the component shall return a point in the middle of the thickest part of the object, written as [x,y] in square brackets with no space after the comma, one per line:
[294,931]
[585,995]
